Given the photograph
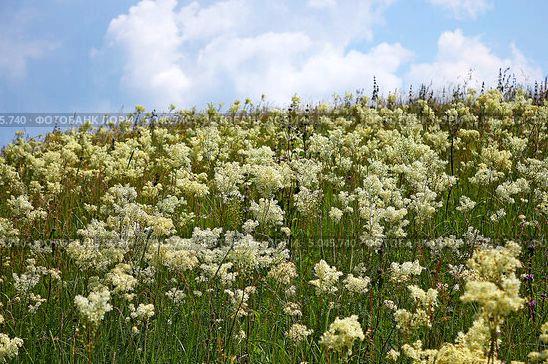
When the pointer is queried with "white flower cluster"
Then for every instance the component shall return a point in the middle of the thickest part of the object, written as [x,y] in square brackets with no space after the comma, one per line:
[94,307]
[358,285]
[327,278]
[341,335]
[298,333]
[9,348]
[403,272]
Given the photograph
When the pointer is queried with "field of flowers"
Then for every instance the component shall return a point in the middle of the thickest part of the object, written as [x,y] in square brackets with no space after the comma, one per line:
[406,232]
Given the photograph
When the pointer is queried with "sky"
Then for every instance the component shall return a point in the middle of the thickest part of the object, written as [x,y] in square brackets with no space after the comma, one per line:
[107,56]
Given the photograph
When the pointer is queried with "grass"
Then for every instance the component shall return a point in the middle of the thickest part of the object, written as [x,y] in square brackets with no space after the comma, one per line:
[204,328]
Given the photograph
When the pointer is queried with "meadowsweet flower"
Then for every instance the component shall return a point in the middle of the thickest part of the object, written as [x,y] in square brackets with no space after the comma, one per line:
[444,242]
[176,295]
[407,321]
[292,309]
[506,190]
[417,354]
[94,307]
[390,305]
[36,301]
[465,204]
[9,348]
[8,234]
[249,226]
[308,201]
[286,231]
[228,179]
[298,333]
[177,254]
[497,215]
[142,313]
[239,300]
[121,279]
[283,273]
[223,272]
[326,278]
[267,178]
[356,284]
[335,214]
[542,356]
[494,284]
[403,272]
[267,212]
[392,355]
[25,282]
[341,335]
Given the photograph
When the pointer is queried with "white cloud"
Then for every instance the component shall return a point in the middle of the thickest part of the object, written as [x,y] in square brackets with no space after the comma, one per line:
[196,22]
[16,48]
[322,3]
[281,64]
[240,48]
[460,57]
[151,39]
[231,49]
[16,53]
[464,8]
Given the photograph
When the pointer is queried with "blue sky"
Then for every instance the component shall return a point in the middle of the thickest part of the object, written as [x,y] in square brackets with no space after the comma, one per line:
[105,56]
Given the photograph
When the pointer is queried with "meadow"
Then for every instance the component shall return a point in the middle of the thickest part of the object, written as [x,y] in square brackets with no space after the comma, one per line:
[364,231]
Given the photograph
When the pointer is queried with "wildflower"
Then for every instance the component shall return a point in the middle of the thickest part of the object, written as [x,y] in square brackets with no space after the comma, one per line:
[497,215]
[335,214]
[404,271]
[341,335]
[356,284]
[292,309]
[93,307]
[283,273]
[286,231]
[298,332]
[239,300]
[142,313]
[176,295]
[327,278]
[495,286]
[267,212]
[535,356]
[249,226]
[393,355]
[465,204]
[308,201]
[120,278]
[9,348]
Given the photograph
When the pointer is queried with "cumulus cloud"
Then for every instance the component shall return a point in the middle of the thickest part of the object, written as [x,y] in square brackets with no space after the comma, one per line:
[16,53]
[150,37]
[322,3]
[16,48]
[460,58]
[281,64]
[193,53]
[464,8]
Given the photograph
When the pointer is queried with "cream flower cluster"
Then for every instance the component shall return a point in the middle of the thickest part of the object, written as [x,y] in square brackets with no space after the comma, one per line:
[298,333]
[342,334]
[403,272]
[493,284]
[9,348]
[94,307]
[327,278]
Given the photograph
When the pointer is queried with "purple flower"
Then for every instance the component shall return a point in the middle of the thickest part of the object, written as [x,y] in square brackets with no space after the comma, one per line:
[532,304]
[529,277]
